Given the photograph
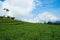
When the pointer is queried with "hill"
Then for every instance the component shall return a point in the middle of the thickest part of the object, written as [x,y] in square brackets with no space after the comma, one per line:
[19,30]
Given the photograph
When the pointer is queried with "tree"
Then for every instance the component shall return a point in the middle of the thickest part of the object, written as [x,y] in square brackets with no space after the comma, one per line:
[6,10]
[8,17]
[12,18]
[49,22]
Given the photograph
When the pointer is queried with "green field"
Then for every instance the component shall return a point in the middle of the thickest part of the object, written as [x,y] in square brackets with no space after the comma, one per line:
[19,30]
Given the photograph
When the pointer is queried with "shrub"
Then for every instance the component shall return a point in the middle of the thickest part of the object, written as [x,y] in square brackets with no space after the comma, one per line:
[12,18]
[8,17]
[49,22]
[1,17]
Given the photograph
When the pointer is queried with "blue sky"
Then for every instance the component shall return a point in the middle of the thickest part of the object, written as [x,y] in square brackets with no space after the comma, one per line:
[33,10]
[2,0]
[50,6]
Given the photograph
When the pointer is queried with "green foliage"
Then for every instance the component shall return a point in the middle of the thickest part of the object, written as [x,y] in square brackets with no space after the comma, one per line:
[8,17]
[19,30]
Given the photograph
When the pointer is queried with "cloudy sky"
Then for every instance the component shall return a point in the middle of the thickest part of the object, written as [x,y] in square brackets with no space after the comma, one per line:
[32,10]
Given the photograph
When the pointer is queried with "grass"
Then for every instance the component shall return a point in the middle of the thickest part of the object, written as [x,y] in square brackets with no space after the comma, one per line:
[19,30]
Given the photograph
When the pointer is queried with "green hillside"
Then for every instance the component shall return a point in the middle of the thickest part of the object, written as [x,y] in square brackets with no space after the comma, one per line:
[19,30]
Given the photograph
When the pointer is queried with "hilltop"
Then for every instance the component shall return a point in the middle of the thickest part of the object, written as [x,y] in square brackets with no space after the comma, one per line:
[11,29]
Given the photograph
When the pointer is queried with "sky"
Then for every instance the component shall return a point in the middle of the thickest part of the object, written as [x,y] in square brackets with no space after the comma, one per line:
[32,10]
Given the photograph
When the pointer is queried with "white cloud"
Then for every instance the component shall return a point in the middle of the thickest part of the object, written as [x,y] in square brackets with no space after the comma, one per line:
[38,3]
[19,8]
[45,16]
[22,10]
[1,8]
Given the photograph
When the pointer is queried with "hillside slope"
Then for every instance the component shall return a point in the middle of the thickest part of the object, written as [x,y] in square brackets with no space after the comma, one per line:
[19,30]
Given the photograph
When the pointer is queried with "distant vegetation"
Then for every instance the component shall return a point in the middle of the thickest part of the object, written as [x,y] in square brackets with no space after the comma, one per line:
[8,17]
[56,22]
[49,22]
